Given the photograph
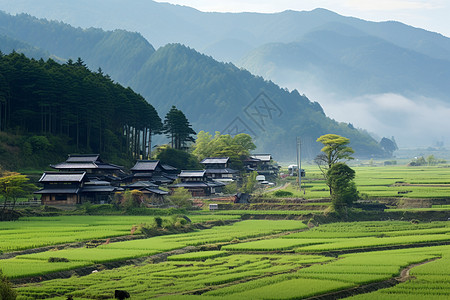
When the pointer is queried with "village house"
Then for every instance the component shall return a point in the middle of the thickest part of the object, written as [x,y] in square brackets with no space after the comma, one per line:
[217,168]
[62,188]
[70,188]
[94,167]
[198,183]
[149,189]
[152,171]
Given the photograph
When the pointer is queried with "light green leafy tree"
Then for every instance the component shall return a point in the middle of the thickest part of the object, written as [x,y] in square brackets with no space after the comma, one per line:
[237,148]
[335,149]
[13,186]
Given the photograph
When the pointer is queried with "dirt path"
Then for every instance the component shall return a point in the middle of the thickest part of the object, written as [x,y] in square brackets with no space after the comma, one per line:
[278,188]
[371,287]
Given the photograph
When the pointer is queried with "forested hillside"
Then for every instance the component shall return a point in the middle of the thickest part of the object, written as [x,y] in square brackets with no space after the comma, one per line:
[391,76]
[223,92]
[215,96]
[55,109]
[119,52]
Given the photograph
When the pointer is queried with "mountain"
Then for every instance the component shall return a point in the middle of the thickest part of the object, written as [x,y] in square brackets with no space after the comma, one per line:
[352,63]
[108,50]
[387,77]
[215,96]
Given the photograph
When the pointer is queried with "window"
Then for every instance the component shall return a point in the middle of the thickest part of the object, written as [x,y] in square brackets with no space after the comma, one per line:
[60,197]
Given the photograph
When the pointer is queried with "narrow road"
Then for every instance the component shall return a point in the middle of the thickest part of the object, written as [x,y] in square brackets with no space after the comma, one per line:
[278,188]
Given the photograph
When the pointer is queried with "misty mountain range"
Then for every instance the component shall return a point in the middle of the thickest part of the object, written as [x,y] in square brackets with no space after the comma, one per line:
[387,77]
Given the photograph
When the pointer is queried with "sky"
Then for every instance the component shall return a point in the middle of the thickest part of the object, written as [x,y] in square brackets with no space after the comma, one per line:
[432,15]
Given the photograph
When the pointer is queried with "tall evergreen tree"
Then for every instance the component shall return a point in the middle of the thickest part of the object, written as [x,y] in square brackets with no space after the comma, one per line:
[177,128]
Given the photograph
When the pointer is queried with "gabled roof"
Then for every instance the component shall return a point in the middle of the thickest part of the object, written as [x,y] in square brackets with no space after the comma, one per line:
[146,165]
[99,189]
[84,162]
[220,171]
[262,157]
[62,177]
[74,166]
[58,191]
[168,167]
[156,191]
[142,184]
[215,160]
[83,158]
[193,173]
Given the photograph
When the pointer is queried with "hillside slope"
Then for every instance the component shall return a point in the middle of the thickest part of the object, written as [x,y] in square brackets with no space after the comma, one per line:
[215,96]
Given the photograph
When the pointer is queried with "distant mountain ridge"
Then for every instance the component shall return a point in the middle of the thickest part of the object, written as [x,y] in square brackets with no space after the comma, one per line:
[214,96]
[360,71]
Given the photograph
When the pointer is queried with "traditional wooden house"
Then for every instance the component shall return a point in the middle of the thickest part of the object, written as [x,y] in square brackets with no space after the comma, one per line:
[62,188]
[98,192]
[94,167]
[70,188]
[153,171]
[198,183]
[263,160]
[263,164]
[217,168]
[148,188]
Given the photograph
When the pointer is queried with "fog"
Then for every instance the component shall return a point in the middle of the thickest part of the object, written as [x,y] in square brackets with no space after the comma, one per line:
[414,122]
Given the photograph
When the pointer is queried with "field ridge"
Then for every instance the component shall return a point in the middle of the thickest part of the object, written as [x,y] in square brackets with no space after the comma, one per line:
[372,287]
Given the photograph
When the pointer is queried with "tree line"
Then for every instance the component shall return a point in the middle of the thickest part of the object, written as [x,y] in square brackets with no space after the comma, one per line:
[40,97]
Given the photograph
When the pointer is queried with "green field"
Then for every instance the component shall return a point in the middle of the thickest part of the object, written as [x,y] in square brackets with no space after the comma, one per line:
[36,232]
[383,181]
[269,266]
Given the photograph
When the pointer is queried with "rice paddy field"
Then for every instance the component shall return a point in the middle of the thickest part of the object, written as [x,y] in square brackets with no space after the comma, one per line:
[255,258]
[251,259]
[34,232]
[425,182]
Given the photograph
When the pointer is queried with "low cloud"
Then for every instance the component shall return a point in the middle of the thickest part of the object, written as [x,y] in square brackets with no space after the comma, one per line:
[414,122]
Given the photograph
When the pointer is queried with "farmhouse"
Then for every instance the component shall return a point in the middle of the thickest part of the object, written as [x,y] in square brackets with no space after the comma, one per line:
[92,165]
[149,189]
[217,168]
[153,171]
[198,183]
[70,188]
[264,165]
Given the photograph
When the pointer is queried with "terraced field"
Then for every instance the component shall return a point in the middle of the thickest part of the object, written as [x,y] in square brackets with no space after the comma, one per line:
[387,181]
[259,259]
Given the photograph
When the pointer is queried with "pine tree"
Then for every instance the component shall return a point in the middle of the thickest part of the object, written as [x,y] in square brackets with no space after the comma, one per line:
[177,128]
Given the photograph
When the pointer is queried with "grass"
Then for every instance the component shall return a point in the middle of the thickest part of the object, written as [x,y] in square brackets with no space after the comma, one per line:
[386,181]
[145,247]
[34,232]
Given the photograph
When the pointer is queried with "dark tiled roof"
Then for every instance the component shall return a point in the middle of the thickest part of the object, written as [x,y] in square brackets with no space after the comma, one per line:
[193,173]
[220,171]
[157,191]
[168,167]
[83,158]
[262,157]
[215,160]
[58,191]
[145,165]
[74,166]
[199,184]
[140,184]
[98,189]
[62,177]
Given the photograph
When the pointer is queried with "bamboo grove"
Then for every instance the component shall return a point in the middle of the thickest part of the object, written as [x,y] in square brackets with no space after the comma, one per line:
[40,97]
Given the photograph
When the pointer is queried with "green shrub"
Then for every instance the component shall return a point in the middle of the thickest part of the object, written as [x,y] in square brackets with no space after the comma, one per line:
[6,290]
[57,259]
[282,193]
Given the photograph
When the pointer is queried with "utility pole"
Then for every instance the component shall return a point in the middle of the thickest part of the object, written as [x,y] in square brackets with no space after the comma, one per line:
[299,163]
